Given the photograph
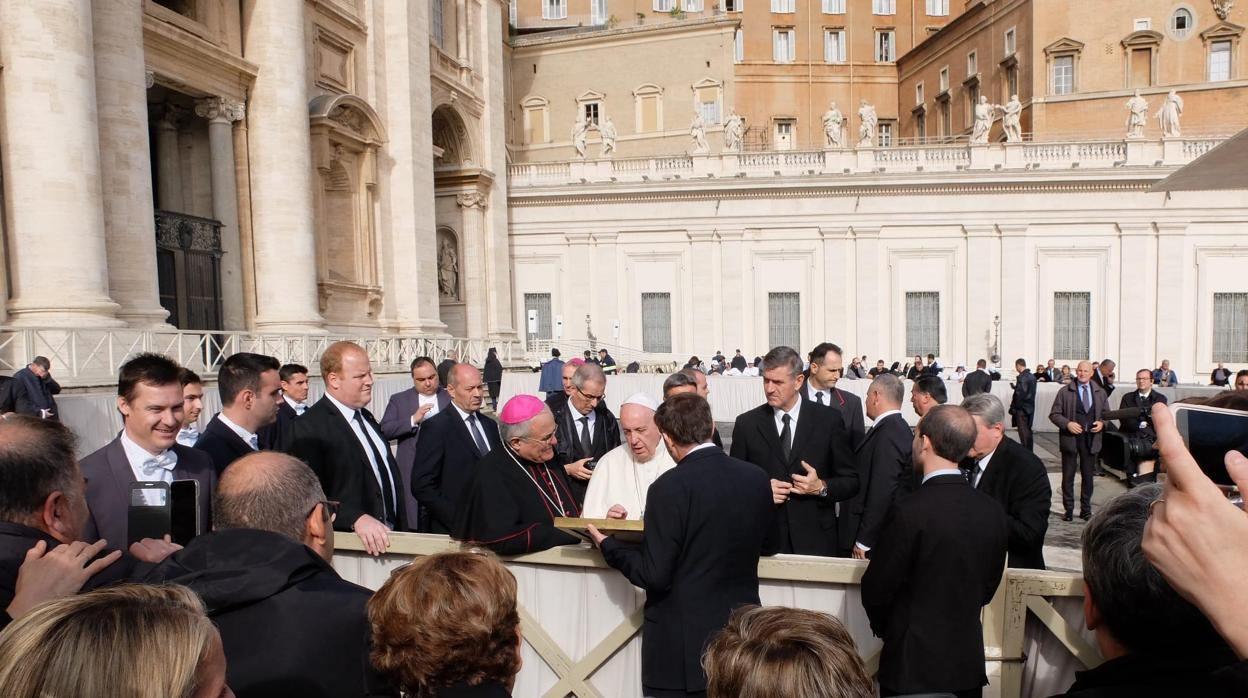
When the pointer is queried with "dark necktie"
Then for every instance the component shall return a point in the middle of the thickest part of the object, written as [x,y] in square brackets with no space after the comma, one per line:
[1085,393]
[383,469]
[474,428]
[819,397]
[587,442]
[786,438]
[979,471]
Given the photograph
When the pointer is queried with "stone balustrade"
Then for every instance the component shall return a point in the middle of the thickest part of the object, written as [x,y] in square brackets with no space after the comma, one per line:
[1029,155]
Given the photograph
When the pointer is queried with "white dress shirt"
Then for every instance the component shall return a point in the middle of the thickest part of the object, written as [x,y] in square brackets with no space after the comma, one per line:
[147,466]
[942,471]
[813,394]
[983,468]
[478,431]
[298,407]
[592,418]
[793,415]
[248,438]
[348,413]
[421,401]
[188,435]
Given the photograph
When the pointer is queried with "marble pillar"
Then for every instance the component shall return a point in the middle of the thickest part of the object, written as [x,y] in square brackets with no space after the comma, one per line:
[168,158]
[283,218]
[461,32]
[221,114]
[472,207]
[488,44]
[50,140]
[126,167]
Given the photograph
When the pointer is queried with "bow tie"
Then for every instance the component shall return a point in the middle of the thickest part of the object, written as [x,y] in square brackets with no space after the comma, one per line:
[153,466]
[191,432]
[299,409]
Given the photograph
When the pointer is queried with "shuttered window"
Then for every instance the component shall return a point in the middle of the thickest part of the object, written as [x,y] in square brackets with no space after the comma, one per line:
[922,323]
[541,303]
[784,324]
[1230,327]
[656,322]
[1072,325]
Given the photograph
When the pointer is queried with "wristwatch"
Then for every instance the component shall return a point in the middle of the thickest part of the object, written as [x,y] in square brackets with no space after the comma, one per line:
[824,492]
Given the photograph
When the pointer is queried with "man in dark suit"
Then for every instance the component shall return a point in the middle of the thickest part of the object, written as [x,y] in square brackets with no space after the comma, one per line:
[1052,374]
[192,407]
[1023,403]
[1103,375]
[404,415]
[977,381]
[294,381]
[250,394]
[1012,475]
[339,439]
[707,522]
[444,368]
[1076,412]
[31,390]
[558,401]
[586,429]
[927,392]
[938,562]
[805,450]
[149,397]
[826,367]
[691,380]
[289,624]
[1142,398]
[450,445]
[884,469]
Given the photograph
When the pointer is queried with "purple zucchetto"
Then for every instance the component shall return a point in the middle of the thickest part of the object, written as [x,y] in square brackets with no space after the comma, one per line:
[521,408]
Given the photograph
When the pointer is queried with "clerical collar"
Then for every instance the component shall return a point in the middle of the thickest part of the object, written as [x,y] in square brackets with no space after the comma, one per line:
[1144,396]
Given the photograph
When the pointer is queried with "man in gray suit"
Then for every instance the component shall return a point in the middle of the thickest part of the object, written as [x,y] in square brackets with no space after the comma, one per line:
[149,397]
[405,413]
[1077,410]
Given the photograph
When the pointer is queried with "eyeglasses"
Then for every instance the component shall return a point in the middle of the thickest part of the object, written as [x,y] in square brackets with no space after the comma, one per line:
[588,396]
[540,440]
[331,507]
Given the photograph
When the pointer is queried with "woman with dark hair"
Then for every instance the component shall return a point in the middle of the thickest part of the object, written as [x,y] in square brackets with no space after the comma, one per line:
[447,626]
[493,376]
[895,369]
[694,362]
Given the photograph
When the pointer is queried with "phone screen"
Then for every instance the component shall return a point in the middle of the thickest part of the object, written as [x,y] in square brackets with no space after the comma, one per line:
[149,512]
[1209,435]
[184,495]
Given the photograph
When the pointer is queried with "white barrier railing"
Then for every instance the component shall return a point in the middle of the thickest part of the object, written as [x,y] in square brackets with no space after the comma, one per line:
[92,357]
[1027,155]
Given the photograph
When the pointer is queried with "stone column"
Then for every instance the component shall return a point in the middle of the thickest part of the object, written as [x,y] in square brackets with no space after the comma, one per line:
[168,158]
[461,31]
[283,227]
[221,114]
[129,223]
[58,265]
[472,267]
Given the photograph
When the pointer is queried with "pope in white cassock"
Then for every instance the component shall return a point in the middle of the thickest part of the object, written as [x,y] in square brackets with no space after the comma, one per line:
[621,478]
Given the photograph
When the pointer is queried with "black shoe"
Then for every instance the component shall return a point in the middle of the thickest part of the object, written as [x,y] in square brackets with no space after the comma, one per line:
[1068,516]
[1085,515]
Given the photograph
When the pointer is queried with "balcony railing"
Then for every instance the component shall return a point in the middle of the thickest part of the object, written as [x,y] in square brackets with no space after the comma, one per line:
[1027,155]
[82,357]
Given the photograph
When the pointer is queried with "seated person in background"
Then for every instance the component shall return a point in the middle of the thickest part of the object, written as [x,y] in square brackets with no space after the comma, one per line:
[753,370]
[1154,642]
[786,653]
[131,640]
[622,477]
[291,626]
[1066,376]
[515,492]
[447,626]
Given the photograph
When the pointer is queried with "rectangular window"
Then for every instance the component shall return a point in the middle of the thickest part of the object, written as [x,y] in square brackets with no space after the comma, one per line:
[1143,24]
[972,98]
[922,323]
[664,5]
[733,5]
[920,126]
[656,322]
[1072,325]
[944,79]
[708,104]
[435,22]
[784,324]
[692,5]
[918,93]
[972,63]
[885,46]
[1230,327]
[783,49]
[883,7]
[539,302]
[1009,42]
[1063,75]
[537,125]
[783,6]
[738,45]
[785,130]
[512,12]
[649,114]
[1219,61]
[833,7]
[592,112]
[946,119]
[885,134]
[833,45]
[937,8]
[598,12]
[1141,67]
[554,9]
[1011,81]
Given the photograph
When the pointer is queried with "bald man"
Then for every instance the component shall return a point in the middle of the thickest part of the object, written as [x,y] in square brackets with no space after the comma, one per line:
[618,488]
[1077,410]
[342,443]
[289,624]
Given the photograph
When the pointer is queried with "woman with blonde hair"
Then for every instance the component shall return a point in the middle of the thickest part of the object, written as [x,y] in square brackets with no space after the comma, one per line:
[447,625]
[777,652]
[127,641]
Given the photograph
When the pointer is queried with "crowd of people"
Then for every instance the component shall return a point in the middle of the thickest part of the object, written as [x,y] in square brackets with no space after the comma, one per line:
[251,605]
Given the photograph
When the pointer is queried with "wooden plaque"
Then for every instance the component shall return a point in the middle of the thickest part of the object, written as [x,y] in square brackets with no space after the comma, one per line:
[627,530]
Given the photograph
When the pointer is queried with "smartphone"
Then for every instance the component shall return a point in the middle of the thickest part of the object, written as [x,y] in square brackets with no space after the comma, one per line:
[151,511]
[185,517]
[591,465]
[1210,433]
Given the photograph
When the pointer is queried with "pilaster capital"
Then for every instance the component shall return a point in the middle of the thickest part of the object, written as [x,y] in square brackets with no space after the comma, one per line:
[169,116]
[220,109]
[149,79]
[472,199]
